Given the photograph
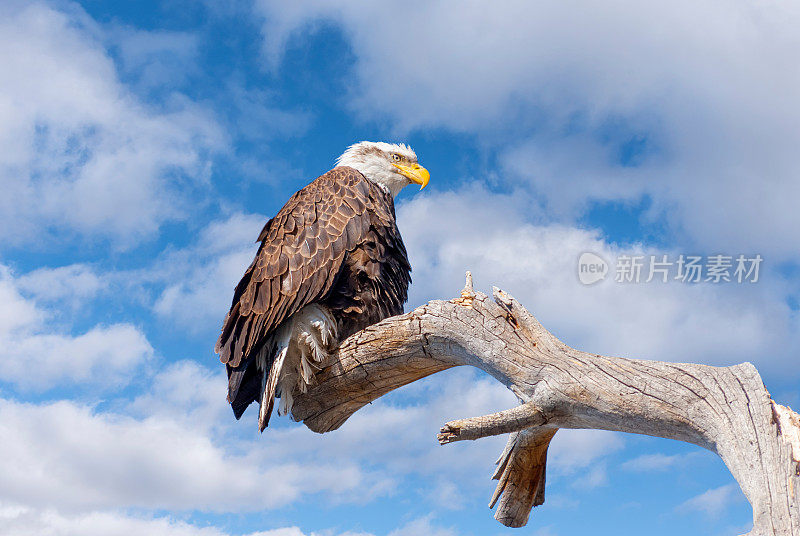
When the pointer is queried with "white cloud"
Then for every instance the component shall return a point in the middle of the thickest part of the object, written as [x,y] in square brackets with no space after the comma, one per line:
[446,494]
[69,285]
[68,457]
[422,526]
[288,531]
[38,356]
[200,279]
[655,462]
[254,109]
[708,88]
[714,501]
[81,153]
[40,360]
[26,521]
[16,312]
[595,477]
[574,450]
[155,60]
[187,393]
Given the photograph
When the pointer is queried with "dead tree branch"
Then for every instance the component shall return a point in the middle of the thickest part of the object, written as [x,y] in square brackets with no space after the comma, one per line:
[726,410]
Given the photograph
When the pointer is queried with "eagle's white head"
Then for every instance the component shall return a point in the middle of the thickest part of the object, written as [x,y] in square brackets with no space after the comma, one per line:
[389,165]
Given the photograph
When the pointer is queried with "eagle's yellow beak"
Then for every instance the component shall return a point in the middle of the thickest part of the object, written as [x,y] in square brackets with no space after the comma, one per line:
[416,173]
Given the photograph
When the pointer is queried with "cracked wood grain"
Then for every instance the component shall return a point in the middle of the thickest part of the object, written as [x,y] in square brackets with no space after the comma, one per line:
[726,410]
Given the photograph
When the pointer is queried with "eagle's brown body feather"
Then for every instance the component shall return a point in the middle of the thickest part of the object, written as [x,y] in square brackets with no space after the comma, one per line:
[334,243]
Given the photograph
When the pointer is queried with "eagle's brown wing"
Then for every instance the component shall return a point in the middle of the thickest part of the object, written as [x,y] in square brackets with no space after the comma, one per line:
[301,253]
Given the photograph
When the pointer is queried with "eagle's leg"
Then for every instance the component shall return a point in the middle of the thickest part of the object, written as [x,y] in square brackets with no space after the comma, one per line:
[319,327]
[316,335]
[313,340]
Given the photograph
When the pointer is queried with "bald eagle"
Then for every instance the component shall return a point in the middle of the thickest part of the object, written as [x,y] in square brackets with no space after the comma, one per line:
[330,263]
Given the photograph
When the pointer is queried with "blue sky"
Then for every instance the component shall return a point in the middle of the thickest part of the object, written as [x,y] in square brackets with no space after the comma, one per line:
[144,144]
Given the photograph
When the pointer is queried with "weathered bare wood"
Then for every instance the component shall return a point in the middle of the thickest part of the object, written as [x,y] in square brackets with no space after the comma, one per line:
[502,422]
[724,409]
[521,474]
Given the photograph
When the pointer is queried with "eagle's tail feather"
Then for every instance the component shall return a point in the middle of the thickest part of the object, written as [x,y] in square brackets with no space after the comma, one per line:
[243,387]
[269,384]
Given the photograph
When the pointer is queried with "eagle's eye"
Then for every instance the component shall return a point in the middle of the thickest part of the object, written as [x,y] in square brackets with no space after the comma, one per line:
[396,157]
